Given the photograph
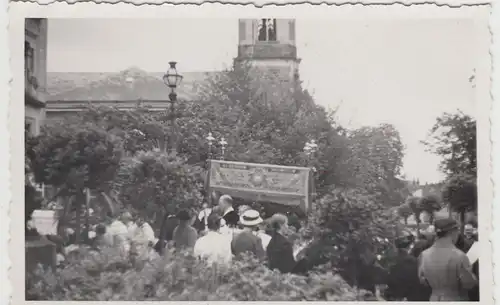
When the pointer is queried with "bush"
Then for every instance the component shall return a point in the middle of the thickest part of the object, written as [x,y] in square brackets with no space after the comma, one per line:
[109,276]
[159,181]
[354,233]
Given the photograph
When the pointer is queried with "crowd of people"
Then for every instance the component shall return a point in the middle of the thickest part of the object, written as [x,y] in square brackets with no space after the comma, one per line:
[439,264]
[218,235]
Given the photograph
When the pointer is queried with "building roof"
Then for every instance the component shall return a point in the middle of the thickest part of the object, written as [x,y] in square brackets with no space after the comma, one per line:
[130,85]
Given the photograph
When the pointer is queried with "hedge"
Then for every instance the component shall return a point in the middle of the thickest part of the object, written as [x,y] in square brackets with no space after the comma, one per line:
[108,275]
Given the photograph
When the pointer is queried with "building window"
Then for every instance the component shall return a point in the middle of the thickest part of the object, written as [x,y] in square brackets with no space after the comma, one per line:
[29,126]
[267,29]
[29,60]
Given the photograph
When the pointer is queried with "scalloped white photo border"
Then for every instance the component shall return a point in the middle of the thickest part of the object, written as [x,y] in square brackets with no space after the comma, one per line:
[11,111]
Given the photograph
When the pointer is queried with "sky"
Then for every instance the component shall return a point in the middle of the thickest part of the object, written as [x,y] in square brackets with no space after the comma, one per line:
[405,72]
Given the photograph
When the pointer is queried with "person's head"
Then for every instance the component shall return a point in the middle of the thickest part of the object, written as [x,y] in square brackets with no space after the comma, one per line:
[213,222]
[225,202]
[140,220]
[126,217]
[184,216]
[217,210]
[100,230]
[278,223]
[250,220]
[404,241]
[447,228]
[468,231]
[243,208]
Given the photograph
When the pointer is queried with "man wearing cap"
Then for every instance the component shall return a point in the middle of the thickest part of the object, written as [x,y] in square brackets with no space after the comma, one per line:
[444,267]
[246,241]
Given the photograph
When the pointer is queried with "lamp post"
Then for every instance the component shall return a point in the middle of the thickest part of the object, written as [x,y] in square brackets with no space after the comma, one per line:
[223,145]
[310,149]
[210,139]
[172,79]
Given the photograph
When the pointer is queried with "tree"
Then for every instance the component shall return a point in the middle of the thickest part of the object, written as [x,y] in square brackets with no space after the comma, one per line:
[404,212]
[32,197]
[430,204]
[259,127]
[75,158]
[460,193]
[159,184]
[350,229]
[416,207]
[376,160]
[453,137]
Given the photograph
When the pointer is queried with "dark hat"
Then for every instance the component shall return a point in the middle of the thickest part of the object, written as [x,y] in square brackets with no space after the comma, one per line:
[404,241]
[445,225]
[184,215]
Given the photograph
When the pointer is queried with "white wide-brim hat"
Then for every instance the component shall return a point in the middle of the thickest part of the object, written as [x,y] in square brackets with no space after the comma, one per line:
[251,218]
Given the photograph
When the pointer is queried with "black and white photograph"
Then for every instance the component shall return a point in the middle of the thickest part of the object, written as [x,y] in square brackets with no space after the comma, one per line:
[323,154]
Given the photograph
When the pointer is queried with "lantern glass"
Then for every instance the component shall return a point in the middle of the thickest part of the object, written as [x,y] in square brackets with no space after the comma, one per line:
[172,77]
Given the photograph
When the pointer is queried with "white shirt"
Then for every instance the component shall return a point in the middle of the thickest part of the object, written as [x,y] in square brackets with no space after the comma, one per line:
[203,216]
[266,238]
[230,209]
[215,247]
[143,234]
[473,253]
[118,233]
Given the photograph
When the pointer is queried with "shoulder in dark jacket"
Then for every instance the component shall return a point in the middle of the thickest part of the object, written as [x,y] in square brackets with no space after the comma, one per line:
[232,218]
[280,254]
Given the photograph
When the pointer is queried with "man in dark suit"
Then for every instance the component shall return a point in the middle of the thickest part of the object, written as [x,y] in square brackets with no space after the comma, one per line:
[229,215]
[403,282]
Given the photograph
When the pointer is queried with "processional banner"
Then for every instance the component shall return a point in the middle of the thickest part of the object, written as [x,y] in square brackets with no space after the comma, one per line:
[262,182]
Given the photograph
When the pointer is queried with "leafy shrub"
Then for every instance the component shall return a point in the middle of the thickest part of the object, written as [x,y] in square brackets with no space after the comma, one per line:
[110,276]
[355,234]
[159,181]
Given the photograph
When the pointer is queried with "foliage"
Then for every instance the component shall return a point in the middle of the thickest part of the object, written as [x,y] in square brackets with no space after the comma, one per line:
[74,157]
[111,276]
[138,130]
[430,204]
[260,127]
[416,207]
[32,197]
[157,179]
[376,160]
[460,192]
[351,229]
[404,211]
[453,137]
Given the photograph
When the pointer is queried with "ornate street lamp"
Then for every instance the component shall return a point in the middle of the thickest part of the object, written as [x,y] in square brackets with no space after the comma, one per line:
[210,139]
[223,145]
[310,149]
[172,79]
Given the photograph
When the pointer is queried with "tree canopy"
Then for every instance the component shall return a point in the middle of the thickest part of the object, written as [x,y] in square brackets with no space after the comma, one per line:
[454,138]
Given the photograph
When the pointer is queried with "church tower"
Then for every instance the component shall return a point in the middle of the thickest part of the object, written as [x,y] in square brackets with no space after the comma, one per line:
[269,44]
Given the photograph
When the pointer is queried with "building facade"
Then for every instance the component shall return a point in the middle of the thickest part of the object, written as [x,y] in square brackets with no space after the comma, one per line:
[265,44]
[269,44]
[268,47]
[35,73]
